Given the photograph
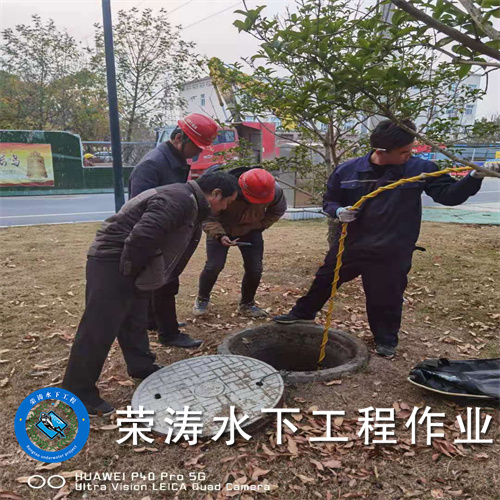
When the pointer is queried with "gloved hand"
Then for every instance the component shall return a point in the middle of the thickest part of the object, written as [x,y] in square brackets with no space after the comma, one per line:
[493,166]
[346,215]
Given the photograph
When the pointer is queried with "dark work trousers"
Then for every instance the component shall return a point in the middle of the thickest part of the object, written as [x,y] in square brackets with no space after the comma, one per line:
[252,262]
[114,308]
[163,310]
[384,281]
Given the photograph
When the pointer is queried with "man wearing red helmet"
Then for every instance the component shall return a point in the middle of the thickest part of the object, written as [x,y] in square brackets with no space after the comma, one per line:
[260,203]
[166,164]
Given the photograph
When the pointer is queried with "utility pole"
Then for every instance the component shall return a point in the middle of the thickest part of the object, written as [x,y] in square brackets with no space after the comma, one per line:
[114,121]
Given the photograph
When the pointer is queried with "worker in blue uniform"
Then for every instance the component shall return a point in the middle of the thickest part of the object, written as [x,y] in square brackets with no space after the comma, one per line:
[383,232]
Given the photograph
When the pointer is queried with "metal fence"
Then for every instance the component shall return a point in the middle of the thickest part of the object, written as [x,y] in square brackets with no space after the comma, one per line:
[62,165]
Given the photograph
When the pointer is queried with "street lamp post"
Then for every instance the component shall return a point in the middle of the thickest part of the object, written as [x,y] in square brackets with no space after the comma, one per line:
[114,122]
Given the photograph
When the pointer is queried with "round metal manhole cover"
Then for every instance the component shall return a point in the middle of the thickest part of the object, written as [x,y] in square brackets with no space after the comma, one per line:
[211,384]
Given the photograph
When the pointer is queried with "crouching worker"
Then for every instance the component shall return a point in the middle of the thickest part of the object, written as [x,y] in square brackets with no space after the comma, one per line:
[141,248]
[260,203]
[383,232]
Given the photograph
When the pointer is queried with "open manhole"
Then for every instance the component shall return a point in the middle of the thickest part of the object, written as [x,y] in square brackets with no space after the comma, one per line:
[295,349]
[211,385]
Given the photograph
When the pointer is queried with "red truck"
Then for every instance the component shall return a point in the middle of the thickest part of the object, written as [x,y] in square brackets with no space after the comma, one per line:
[260,136]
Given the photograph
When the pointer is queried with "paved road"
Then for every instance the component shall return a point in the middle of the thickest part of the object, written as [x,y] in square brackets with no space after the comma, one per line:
[60,209]
[56,209]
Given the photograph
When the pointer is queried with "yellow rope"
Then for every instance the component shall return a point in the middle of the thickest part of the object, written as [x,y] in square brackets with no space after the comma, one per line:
[343,235]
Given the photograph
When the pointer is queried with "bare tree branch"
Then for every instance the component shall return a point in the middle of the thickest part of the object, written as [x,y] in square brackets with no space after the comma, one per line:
[475,13]
[457,60]
[467,41]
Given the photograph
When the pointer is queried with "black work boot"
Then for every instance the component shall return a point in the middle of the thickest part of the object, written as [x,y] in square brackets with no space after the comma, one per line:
[290,318]
[252,311]
[180,340]
[99,409]
[386,351]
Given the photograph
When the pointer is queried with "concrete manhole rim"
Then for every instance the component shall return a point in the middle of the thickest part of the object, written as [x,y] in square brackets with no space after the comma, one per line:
[357,363]
[255,421]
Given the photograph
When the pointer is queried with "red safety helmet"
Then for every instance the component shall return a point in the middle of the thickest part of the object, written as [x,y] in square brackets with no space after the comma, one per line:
[201,129]
[257,185]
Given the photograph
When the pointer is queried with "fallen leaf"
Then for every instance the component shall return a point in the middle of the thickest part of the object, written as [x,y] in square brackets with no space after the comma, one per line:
[334,382]
[267,451]
[4,382]
[413,494]
[437,494]
[63,493]
[318,465]
[109,427]
[292,446]
[71,474]
[306,479]
[126,383]
[258,473]
[48,466]
[140,449]
[313,408]
[10,495]
[194,460]
[333,464]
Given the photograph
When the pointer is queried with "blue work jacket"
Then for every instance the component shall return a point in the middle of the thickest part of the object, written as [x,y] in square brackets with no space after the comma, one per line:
[390,222]
[161,166]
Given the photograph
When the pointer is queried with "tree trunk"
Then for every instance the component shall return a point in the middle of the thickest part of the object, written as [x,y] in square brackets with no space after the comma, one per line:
[333,225]
[331,161]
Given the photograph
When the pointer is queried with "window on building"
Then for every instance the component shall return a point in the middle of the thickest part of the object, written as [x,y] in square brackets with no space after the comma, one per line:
[469,109]
[202,99]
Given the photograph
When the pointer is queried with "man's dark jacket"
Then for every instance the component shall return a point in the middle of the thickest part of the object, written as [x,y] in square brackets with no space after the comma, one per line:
[390,222]
[161,166]
[243,217]
[154,234]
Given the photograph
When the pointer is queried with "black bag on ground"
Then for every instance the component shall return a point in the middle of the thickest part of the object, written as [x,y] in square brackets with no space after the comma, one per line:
[469,378]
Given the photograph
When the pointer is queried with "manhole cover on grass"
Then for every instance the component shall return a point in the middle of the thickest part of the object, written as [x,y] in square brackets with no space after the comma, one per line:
[211,384]
[296,348]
